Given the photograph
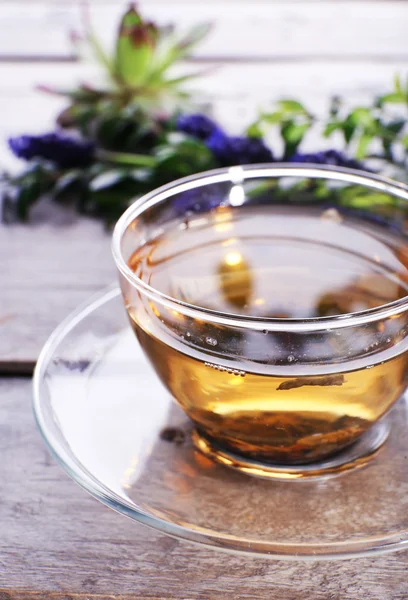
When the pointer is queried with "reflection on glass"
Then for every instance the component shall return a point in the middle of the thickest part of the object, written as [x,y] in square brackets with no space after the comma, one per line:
[292,250]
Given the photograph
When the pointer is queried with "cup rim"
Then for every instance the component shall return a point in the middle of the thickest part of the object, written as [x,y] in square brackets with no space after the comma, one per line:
[239,174]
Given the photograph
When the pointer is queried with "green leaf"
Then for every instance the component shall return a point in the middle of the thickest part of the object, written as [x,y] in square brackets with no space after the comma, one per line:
[393,98]
[254,131]
[132,63]
[112,130]
[131,18]
[98,51]
[27,195]
[348,127]
[397,84]
[362,146]
[322,190]
[100,54]
[358,197]
[331,128]
[294,122]
[361,117]
[175,138]
[135,46]
[387,149]
[78,115]
[404,141]
[126,158]
[80,94]
[172,49]
[193,37]
[107,179]
[141,175]
[26,189]
[180,159]
[138,69]
[110,202]
[272,118]
[68,183]
[292,106]
[395,127]
[292,134]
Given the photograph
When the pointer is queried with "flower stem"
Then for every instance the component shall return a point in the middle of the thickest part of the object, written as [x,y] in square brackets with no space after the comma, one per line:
[126,158]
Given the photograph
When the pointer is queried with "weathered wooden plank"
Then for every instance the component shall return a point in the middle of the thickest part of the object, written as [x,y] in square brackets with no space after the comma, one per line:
[247,29]
[57,542]
[7,594]
[49,270]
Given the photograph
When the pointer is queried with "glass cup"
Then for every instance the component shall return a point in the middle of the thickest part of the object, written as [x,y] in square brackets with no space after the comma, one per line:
[272,303]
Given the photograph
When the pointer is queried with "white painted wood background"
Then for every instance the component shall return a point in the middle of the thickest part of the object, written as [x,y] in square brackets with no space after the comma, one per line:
[256,52]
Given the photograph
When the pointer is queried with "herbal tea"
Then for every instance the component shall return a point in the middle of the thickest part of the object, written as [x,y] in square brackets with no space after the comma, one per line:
[273,395]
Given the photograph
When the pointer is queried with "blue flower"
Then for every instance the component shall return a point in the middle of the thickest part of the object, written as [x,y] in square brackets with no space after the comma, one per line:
[238,150]
[65,152]
[227,150]
[197,125]
[198,200]
[327,157]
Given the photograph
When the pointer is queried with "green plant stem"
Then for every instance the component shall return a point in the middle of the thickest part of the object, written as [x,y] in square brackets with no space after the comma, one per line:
[126,158]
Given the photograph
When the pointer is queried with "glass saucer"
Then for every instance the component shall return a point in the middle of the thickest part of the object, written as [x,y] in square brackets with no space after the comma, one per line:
[107,419]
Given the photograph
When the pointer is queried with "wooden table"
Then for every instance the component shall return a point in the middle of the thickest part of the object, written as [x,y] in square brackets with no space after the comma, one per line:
[55,541]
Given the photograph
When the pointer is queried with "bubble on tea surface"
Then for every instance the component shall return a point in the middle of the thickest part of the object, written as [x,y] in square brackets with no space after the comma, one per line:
[211,341]
[291,358]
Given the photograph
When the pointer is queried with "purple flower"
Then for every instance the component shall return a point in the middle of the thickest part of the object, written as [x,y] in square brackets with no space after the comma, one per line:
[66,152]
[238,150]
[199,200]
[227,150]
[197,125]
[327,157]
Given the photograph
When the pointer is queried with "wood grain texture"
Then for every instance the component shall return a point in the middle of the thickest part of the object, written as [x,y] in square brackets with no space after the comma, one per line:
[245,29]
[58,543]
[7,594]
[50,269]
[22,595]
